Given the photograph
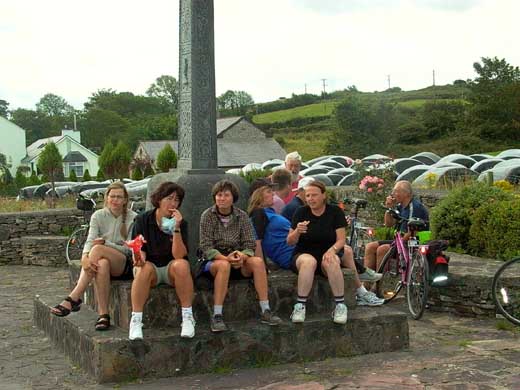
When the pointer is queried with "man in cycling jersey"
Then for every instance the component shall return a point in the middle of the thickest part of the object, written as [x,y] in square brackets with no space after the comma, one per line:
[408,207]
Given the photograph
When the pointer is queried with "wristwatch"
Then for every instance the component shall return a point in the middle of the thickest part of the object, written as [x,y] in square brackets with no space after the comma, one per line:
[177,231]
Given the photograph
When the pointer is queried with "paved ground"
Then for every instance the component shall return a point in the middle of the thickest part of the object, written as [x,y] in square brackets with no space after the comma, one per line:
[446,352]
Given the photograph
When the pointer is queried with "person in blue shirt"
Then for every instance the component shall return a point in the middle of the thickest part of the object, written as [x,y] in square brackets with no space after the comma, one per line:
[401,198]
[299,200]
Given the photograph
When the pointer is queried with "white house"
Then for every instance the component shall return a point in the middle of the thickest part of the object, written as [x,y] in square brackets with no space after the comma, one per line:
[12,143]
[76,157]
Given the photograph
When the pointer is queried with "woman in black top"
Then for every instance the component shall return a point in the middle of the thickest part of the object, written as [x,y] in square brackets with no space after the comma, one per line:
[162,259]
[318,231]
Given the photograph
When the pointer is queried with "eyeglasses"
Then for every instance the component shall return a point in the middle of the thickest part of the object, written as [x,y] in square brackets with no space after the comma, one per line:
[114,197]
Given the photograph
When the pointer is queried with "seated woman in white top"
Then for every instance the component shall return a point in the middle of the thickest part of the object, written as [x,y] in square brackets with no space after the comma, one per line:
[104,255]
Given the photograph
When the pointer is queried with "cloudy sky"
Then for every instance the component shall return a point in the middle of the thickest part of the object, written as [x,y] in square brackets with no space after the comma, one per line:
[269,48]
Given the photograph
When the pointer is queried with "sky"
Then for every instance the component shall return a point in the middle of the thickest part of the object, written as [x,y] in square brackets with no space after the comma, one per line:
[268,48]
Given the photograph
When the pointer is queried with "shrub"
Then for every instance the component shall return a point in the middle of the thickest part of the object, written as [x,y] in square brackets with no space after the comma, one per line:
[86,175]
[450,219]
[166,159]
[100,175]
[495,230]
[137,174]
[72,176]
[255,174]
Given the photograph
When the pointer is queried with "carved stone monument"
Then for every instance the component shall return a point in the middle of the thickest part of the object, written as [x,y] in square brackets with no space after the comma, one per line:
[197,170]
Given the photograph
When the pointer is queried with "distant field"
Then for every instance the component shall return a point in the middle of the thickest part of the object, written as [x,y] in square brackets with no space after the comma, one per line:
[311,110]
[308,144]
[416,103]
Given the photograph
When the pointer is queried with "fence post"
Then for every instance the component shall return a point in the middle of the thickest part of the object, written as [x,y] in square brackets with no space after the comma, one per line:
[489,178]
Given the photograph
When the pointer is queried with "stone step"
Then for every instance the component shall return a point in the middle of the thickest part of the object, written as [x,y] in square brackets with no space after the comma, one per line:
[110,357]
[163,309]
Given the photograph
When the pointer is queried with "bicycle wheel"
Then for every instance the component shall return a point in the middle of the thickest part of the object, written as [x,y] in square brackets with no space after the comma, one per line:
[75,244]
[417,285]
[390,284]
[361,239]
[506,290]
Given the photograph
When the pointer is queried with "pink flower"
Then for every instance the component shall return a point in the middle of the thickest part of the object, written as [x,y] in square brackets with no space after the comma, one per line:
[369,189]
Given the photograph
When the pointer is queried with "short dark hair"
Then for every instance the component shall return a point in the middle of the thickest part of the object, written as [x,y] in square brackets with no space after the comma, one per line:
[225,185]
[165,189]
[282,177]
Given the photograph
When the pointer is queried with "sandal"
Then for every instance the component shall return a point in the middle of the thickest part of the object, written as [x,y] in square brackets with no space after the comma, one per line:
[103,322]
[62,311]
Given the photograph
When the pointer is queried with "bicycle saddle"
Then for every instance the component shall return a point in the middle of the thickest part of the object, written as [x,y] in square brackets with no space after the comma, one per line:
[416,224]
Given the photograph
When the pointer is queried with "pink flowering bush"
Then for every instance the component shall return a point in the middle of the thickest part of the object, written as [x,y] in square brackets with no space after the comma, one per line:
[372,184]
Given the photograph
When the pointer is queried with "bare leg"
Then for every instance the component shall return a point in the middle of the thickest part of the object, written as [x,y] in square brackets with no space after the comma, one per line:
[220,270]
[347,261]
[370,255]
[77,293]
[256,267]
[144,279]
[381,252]
[306,265]
[333,272]
[180,276]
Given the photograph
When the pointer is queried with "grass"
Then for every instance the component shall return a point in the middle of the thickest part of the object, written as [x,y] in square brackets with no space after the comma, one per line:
[506,325]
[309,111]
[308,144]
[8,205]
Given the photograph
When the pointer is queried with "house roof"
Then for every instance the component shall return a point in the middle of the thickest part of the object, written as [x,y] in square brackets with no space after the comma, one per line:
[34,149]
[225,123]
[74,156]
[229,153]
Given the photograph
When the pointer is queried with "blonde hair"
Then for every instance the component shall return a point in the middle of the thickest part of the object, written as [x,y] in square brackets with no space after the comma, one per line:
[257,199]
[119,185]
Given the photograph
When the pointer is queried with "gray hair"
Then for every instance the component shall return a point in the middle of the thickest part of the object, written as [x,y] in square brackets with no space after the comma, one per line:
[405,185]
[293,156]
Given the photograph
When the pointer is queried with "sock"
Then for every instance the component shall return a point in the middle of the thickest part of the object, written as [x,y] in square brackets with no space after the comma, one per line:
[217,309]
[340,299]
[264,305]
[302,300]
[138,316]
[187,310]
[361,290]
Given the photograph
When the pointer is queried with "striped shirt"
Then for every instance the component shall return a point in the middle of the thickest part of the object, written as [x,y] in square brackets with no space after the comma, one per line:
[215,238]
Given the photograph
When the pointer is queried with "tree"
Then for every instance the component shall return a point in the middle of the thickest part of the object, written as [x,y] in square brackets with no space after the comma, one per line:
[166,89]
[495,93]
[166,159]
[121,158]
[51,165]
[33,180]
[100,175]
[21,178]
[148,171]
[105,161]
[101,126]
[86,175]
[72,176]
[234,102]
[54,105]
[4,108]
[137,174]
[36,124]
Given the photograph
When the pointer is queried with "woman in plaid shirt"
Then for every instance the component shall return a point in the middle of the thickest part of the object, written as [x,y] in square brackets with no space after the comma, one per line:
[228,242]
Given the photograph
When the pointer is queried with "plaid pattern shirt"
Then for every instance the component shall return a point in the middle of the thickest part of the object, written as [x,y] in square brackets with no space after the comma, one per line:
[215,238]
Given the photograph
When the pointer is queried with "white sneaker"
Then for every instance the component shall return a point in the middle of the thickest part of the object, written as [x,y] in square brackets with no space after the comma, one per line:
[136,329]
[340,314]
[298,314]
[188,326]
[369,299]
[370,276]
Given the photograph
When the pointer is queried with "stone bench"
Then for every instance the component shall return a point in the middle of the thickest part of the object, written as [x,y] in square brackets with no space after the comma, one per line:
[110,357]
[44,250]
[163,310]
[469,290]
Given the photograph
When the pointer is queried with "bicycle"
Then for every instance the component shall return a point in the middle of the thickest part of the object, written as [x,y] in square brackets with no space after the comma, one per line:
[406,264]
[506,290]
[359,235]
[77,239]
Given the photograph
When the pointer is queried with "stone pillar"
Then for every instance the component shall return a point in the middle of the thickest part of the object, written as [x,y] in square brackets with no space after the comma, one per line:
[197,107]
[197,170]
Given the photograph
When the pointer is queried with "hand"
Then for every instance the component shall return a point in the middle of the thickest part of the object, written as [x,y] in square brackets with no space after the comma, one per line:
[235,259]
[98,241]
[178,217]
[329,256]
[137,258]
[348,219]
[390,201]
[88,265]
[301,227]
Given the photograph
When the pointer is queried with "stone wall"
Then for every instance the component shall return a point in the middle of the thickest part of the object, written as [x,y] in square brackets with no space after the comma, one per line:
[15,226]
[47,251]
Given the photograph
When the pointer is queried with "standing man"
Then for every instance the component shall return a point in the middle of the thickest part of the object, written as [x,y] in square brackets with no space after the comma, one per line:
[293,163]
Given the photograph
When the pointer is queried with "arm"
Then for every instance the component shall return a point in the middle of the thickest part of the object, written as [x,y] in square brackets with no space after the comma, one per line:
[337,246]
[93,233]
[180,237]
[206,237]
[258,250]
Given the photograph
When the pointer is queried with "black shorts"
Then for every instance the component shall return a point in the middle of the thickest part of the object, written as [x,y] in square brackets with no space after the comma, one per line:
[318,271]
[128,273]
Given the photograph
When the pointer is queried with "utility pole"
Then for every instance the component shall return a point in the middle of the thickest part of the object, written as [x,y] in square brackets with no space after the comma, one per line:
[305,88]
[324,85]
[388,79]
[434,77]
